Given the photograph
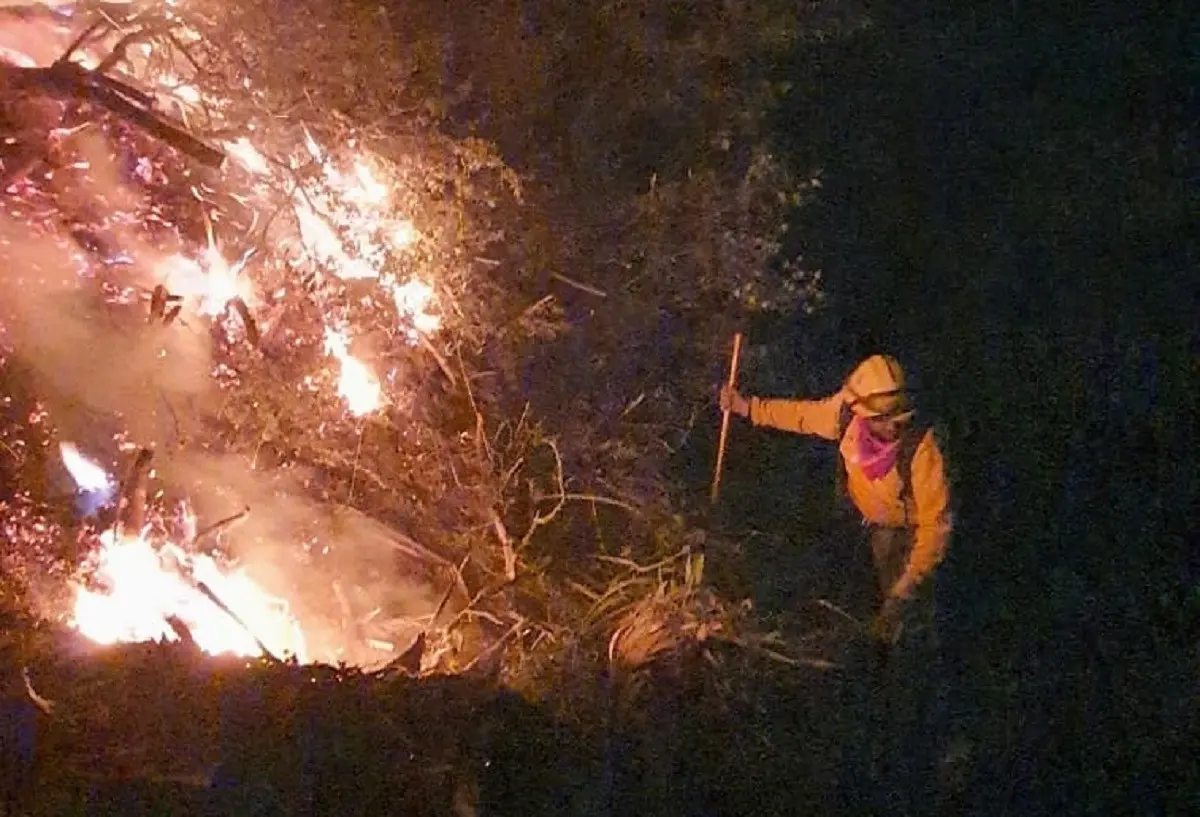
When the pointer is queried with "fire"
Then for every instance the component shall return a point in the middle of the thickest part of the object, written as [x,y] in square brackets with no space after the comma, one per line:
[369,191]
[223,282]
[145,587]
[88,475]
[414,299]
[210,280]
[325,248]
[404,234]
[343,221]
[245,154]
[356,384]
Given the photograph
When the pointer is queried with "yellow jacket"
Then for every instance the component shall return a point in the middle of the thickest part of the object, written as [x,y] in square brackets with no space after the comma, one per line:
[879,501]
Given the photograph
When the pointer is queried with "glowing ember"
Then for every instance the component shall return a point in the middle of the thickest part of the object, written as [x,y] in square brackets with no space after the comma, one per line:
[145,587]
[87,475]
[356,384]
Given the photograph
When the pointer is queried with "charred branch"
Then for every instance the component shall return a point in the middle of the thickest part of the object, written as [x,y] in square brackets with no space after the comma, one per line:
[164,306]
[222,525]
[215,599]
[181,630]
[252,334]
[70,82]
[131,507]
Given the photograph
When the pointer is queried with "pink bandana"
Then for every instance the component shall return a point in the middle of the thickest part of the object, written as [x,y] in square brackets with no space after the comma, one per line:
[875,456]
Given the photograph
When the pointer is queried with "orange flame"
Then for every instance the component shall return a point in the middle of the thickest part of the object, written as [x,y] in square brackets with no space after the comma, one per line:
[356,384]
[145,586]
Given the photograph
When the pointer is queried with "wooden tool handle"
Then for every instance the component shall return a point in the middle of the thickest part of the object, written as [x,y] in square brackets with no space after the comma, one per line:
[733,370]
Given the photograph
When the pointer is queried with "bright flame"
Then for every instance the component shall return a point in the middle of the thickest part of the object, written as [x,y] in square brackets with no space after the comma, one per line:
[223,283]
[404,234]
[370,191]
[356,384]
[88,475]
[413,300]
[248,156]
[145,586]
[314,150]
[324,246]
[349,225]
[210,279]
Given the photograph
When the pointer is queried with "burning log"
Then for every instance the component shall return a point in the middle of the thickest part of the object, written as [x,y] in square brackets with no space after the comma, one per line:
[131,502]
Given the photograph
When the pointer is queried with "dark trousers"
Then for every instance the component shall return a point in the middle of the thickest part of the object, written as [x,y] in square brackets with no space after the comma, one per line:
[890,548]
[909,684]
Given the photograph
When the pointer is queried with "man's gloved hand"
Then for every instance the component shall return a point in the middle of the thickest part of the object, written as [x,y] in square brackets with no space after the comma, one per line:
[731,400]
[886,625]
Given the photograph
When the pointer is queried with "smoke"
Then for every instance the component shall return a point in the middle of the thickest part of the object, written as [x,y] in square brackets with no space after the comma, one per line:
[345,577]
[80,327]
[85,335]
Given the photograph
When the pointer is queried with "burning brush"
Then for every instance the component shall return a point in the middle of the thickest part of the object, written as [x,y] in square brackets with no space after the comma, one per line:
[287,226]
[146,587]
[309,213]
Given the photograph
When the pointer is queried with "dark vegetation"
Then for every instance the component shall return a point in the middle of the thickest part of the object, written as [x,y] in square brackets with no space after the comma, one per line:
[1001,195]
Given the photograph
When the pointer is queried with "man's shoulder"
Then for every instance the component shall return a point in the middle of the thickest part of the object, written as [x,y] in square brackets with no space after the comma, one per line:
[925,431]
[924,434]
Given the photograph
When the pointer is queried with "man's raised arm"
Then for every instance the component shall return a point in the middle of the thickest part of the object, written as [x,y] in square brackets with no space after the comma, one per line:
[817,417]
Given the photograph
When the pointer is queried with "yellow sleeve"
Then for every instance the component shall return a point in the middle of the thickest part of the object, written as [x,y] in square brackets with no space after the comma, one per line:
[817,417]
[934,521]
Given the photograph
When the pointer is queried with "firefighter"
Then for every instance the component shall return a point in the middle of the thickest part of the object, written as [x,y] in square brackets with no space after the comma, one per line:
[891,468]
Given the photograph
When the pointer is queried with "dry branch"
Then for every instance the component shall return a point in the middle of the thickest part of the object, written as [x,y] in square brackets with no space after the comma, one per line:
[221,525]
[540,519]
[71,82]
[582,287]
[510,557]
[775,655]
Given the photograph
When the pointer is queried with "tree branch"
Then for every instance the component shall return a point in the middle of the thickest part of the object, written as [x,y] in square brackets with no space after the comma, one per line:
[69,81]
[540,519]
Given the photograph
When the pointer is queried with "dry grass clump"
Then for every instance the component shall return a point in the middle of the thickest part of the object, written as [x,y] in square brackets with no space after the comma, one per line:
[666,618]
